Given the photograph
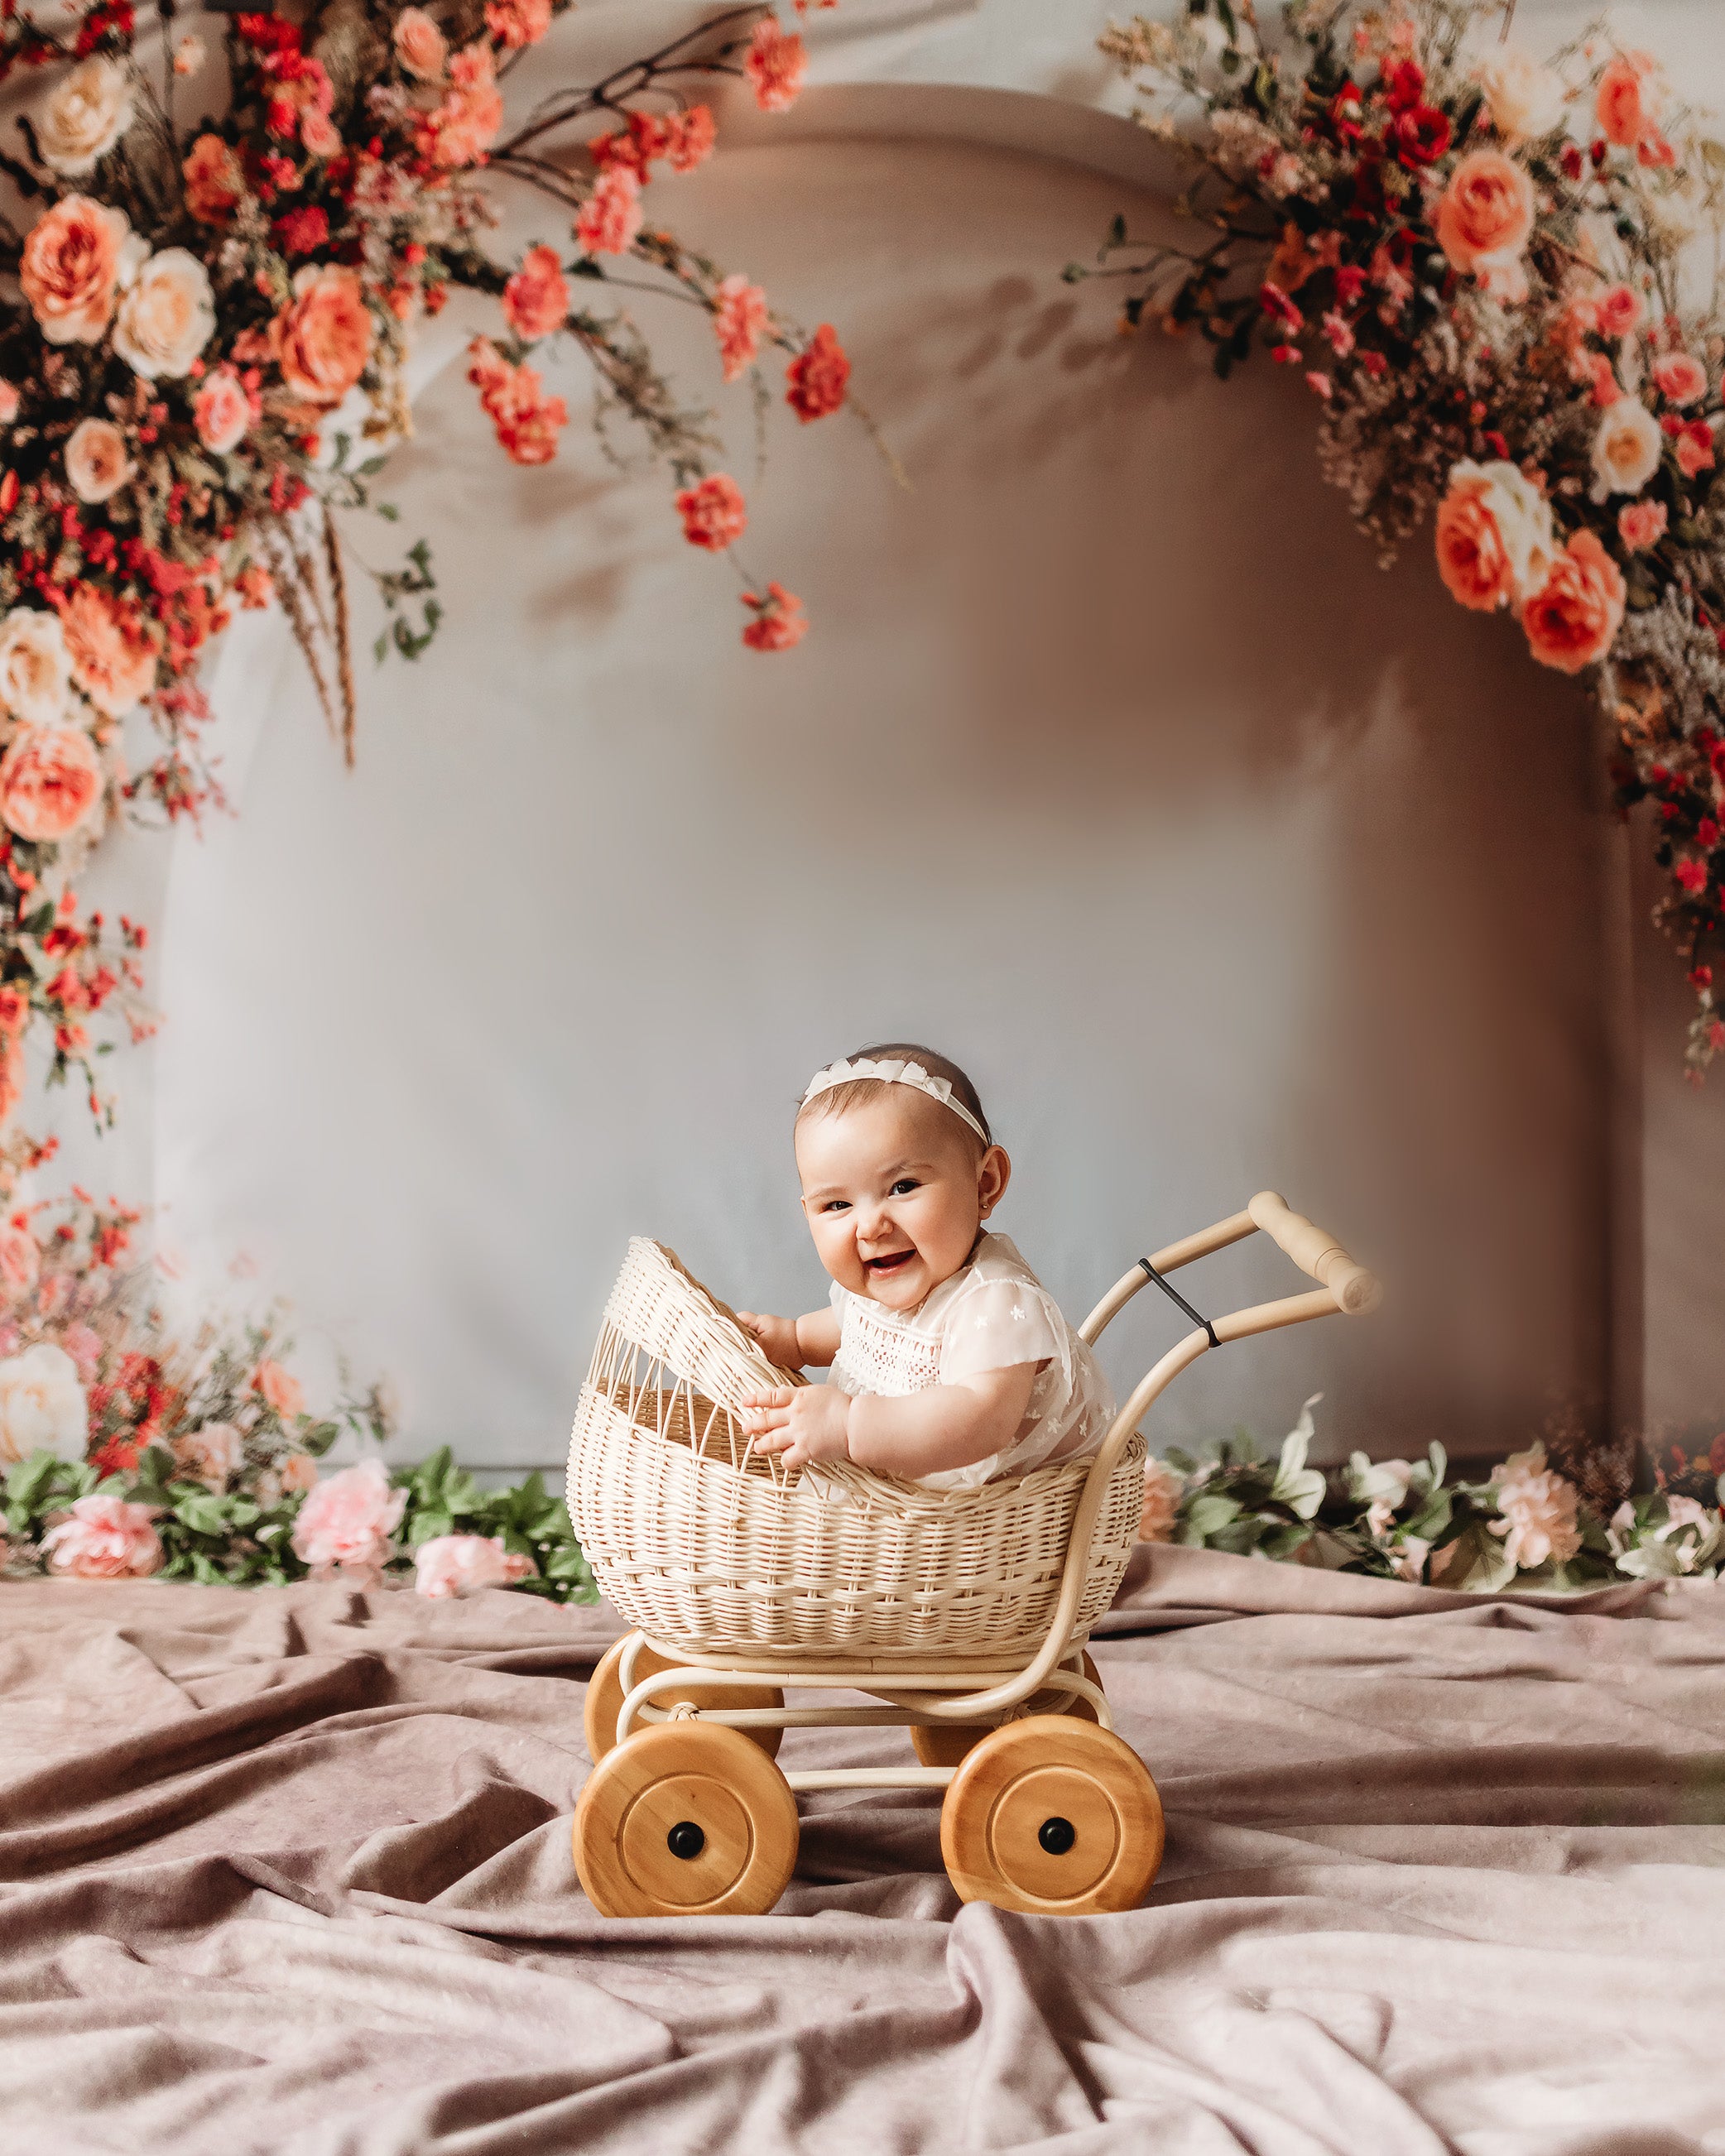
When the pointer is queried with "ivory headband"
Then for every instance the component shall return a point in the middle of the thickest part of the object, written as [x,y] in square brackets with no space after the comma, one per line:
[893,1074]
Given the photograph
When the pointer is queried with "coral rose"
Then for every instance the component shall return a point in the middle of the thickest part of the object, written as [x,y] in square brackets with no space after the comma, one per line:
[221,412]
[517,22]
[96,462]
[34,667]
[1695,448]
[817,375]
[419,45]
[50,779]
[739,316]
[1495,540]
[611,216]
[1626,448]
[1618,310]
[42,1406]
[104,1537]
[71,268]
[775,65]
[713,512]
[322,340]
[1525,100]
[1679,379]
[82,118]
[1627,102]
[167,316]
[1487,209]
[1641,524]
[20,1260]
[211,1454]
[345,1523]
[536,300]
[1537,1507]
[281,1389]
[114,648]
[459,1564]
[1573,619]
[1162,1502]
[214,184]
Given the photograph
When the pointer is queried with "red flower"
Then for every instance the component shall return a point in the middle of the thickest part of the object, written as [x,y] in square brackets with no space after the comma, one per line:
[536,300]
[693,134]
[779,620]
[1420,135]
[1571,159]
[303,231]
[818,376]
[713,512]
[1402,82]
[118,1456]
[1716,1454]
[775,66]
[1280,308]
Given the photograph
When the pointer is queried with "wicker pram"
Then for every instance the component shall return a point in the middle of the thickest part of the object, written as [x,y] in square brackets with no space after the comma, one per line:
[962,1614]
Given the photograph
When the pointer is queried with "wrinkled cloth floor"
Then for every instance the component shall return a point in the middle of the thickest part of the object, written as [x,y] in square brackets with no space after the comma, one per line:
[289,1872]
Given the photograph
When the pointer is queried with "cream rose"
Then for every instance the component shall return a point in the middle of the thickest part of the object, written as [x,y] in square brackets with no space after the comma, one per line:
[166,317]
[1502,546]
[42,1405]
[35,668]
[81,120]
[1626,448]
[96,462]
[1525,101]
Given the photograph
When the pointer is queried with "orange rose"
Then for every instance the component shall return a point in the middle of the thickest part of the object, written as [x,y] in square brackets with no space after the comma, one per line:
[113,648]
[49,781]
[322,338]
[1572,617]
[70,267]
[213,181]
[1628,100]
[1487,208]
[283,1392]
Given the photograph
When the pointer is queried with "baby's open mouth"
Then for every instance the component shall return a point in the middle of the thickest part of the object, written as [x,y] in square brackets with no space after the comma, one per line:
[890,1263]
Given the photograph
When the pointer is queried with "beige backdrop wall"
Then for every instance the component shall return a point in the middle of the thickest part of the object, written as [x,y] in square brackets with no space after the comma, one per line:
[1111,764]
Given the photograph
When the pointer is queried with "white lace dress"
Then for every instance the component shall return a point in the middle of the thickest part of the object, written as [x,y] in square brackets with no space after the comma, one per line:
[992,1314]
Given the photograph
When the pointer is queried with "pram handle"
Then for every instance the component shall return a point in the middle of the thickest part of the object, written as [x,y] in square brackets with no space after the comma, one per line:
[1315,1252]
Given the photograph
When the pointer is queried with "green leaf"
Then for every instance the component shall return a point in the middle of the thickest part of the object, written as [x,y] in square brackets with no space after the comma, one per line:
[1206,1515]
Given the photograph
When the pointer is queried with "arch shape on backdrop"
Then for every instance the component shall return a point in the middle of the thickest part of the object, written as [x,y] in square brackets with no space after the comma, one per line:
[545,1101]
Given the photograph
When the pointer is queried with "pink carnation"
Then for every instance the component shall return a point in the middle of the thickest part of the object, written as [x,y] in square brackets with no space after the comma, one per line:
[611,216]
[775,66]
[739,317]
[536,300]
[458,1564]
[345,1523]
[779,620]
[713,513]
[104,1537]
[517,22]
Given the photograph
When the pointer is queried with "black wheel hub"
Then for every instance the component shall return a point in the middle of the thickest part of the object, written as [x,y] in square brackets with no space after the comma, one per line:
[686,1840]
[1057,1835]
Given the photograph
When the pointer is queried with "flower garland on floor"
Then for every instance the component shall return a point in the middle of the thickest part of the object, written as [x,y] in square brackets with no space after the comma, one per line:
[219,263]
[1525,1525]
[1476,262]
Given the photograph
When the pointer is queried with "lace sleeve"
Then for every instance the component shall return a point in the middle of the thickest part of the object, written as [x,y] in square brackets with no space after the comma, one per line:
[996,1324]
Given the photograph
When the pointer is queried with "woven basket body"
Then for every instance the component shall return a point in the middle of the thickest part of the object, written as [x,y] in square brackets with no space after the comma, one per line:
[699,1542]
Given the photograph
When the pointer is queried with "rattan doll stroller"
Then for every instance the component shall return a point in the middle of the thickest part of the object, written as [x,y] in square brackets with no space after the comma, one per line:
[961,1616]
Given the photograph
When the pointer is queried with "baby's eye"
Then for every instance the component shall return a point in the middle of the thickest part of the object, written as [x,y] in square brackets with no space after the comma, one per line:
[836,1205]
[905,1185]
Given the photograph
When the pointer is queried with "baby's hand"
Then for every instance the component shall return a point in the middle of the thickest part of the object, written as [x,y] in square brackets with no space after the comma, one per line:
[777,1337]
[800,1423]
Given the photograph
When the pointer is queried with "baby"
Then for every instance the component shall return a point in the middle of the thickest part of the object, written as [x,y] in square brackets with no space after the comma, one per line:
[951,1362]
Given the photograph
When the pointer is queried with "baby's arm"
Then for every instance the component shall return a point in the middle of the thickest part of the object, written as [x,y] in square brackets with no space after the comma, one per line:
[795,1343]
[926,1433]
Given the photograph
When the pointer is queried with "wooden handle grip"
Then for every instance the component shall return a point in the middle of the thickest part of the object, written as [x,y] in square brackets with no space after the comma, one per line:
[1315,1253]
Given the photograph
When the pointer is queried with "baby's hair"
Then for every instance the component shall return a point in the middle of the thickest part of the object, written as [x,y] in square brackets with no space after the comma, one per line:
[837,1099]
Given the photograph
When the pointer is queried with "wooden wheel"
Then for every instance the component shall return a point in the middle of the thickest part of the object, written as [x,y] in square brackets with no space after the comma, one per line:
[1053,1816]
[686,1819]
[945,1744]
[605,1700]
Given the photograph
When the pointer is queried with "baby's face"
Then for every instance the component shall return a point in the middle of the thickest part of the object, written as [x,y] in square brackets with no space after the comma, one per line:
[894,1192]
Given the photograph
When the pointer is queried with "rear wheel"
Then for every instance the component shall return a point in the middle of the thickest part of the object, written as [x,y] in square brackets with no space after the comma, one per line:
[1053,1816]
[604,1699]
[686,1819]
[944,1744]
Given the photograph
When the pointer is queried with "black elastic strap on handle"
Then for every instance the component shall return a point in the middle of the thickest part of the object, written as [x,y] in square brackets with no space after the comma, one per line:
[1173,1295]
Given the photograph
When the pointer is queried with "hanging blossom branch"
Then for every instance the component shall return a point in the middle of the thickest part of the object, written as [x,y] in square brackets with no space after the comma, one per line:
[206,365]
[1476,262]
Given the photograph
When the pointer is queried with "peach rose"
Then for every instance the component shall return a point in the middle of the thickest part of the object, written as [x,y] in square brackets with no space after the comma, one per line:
[209,1454]
[221,411]
[459,1564]
[167,316]
[114,648]
[1628,100]
[282,1391]
[419,45]
[71,268]
[536,300]
[322,339]
[1487,209]
[298,1471]
[1626,448]
[1538,1523]
[1641,524]
[1573,619]
[345,1523]
[104,1537]
[42,1408]
[1494,535]
[1162,1502]
[82,118]
[214,184]
[49,781]
[96,461]
[20,1261]
[1679,379]
[35,666]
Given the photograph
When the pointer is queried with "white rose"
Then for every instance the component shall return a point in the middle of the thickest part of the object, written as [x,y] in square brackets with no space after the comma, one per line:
[82,120]
[42,1405]
[35,670]
[1522,516]
[167,316]
[1526,99]
[96,461]
[1626,448]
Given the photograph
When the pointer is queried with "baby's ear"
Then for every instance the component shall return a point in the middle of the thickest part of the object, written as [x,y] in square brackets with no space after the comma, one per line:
[993,1173]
